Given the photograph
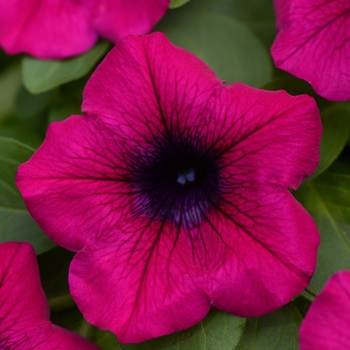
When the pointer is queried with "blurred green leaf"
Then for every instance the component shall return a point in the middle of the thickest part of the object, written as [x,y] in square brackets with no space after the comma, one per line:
[258,16]
[327,199]
[218,331]
[10,84]
[245,10]
[20,131]
[275,331]
[28,105]
[224,44]
[43,75]
[336,129]
[15,222]
[61,113]
[177,3]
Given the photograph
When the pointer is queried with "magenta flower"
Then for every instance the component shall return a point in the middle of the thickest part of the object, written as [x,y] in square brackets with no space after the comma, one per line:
[24,311]
[327,323]
[313,44]
[173,189]
[62,28]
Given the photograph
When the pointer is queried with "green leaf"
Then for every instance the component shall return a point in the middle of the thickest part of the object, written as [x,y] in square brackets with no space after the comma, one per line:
[224,44]
[336,129]
[21,131]
[327,199]
[219,331]
[258,16]
[10,83]
[275,331]
[15,222]
[246,10]
[28,105]
[177,3]
[62,113]
[43,75]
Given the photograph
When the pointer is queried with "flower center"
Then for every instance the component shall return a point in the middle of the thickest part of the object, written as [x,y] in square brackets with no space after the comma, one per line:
[176,181]
[185,177]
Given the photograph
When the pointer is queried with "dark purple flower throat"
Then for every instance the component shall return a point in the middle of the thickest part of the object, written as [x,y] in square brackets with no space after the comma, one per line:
[176,179]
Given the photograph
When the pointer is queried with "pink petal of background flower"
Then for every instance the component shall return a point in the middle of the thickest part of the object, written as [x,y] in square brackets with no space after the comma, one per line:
[313,44]
[63,28]
[46,29]
[327,323]
[114,19]
[254,249]
[24,311]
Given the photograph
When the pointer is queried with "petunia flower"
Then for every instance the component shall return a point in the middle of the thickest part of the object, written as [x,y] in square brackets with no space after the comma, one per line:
[327,323]
[313,44]
[62,28]
[24,311]
[173,189]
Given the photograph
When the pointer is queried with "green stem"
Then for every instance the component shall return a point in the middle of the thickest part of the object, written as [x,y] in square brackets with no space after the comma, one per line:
[308,295]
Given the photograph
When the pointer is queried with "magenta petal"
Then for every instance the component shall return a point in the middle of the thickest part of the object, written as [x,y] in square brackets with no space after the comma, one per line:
[139,296]
[20,286]
[24,312]
[266,260]
[274,137]
[62,28]
[72,176]
[279,141]
[46,29]
[313,44]
[148,78]
[236,261]
[327,323]
[114,19]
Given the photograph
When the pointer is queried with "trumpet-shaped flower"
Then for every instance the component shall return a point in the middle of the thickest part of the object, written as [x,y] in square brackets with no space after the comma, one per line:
[62,28]
[327,323]
[24,311]
[313,44]
[173,189]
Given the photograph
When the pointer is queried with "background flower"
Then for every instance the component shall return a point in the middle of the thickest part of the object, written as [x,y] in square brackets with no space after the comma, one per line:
[326,325]
[313,44]
[63,28]
[174,191]
[24,312]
